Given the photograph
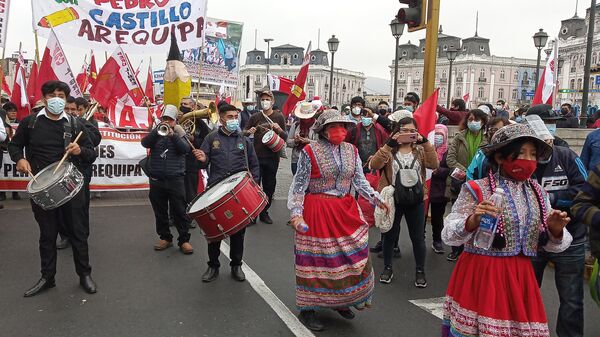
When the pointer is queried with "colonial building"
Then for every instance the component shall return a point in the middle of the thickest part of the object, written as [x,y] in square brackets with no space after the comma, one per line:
[476,72]
[286,61]
[572,40]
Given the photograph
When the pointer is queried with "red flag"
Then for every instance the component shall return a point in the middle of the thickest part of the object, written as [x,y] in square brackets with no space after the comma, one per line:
[545,89]
[466,97]
[83,77]
[32,85]
[19,94]
[93,72]
[281,84]
[149,91]
[117,80]
[5,87]
[425,115]
[55,67]
[297,91]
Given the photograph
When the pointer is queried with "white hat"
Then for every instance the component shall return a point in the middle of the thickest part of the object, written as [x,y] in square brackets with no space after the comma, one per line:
[305,110]
[485,109]
[538,126]
[399,115]
[247,101]
[170,111]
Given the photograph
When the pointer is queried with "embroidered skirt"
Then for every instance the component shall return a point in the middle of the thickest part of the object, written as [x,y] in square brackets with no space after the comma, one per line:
[333,269]
[492,296]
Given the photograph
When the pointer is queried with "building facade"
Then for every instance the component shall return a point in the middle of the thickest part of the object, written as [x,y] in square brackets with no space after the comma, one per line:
[484,77]
[286,61]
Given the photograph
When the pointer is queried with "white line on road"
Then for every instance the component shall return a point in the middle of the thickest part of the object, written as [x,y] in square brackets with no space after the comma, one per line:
[284,313]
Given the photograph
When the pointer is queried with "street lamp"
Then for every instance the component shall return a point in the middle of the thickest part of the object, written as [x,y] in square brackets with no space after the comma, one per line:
[451,55]
[333,44]
[397,30]
[539,40]
[268,41]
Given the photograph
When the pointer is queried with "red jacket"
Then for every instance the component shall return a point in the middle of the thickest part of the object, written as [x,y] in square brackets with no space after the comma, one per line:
[455,116]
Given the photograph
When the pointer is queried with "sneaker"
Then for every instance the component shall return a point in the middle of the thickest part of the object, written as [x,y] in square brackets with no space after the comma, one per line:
[387,275]
[452,256]
[377,248]
[397,252]
[437,247]
[420,280]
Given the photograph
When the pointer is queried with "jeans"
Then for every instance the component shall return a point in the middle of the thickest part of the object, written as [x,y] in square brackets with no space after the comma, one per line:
[294,168]
[235,254]
[437,220]
[568,277]
[168,195]
[268,177]
[415,220]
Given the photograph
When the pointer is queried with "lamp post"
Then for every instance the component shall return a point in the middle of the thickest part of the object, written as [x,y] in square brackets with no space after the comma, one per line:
[397,30]
[539,40]
[451,55]
[268,41]
[333,44]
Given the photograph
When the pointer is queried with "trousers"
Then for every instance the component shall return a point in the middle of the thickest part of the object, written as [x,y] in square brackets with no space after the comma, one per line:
[268,178]
[236,252]
[169,194]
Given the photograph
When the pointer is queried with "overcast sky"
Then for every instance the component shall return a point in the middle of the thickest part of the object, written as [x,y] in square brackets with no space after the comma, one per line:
[362,27]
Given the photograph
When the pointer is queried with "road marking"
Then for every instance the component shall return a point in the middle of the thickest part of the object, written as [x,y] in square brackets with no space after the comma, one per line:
[284,313]
[434,306]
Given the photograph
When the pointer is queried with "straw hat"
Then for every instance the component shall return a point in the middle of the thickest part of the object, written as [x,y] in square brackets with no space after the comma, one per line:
[304,110]
[510,133]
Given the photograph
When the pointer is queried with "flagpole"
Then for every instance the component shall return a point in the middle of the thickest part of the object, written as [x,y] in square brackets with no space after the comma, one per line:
[37,47]
[201,59]
[555,90]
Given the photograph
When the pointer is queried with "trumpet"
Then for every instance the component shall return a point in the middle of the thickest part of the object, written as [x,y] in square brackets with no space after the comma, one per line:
[163,129]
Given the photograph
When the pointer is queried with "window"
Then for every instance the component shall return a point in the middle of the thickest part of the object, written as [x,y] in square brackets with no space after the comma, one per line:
[417,75]
[481,48]
[401,76]
[502,74]
[572,84]
[258,58]
[295,56]
[464,48]
[285,60]
[482,73]
[515,94]
[523,94]
[458,92]
[516,77]
[404,53]
[581,60]
[443,91]
[445,47]
[401,92]
[276,56]
[579,84]
[480,92]
[313,58]
[501,93]
[324,59]
[564,30]
[594,58]
[525,76]
[423,50]
[444,74]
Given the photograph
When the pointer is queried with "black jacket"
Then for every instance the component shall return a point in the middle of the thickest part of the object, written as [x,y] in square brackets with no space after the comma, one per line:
[229,154]
[245,117]
[167,155]
[191,164]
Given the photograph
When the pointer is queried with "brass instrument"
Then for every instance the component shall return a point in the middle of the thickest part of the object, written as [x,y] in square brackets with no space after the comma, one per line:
[163,129]
[188,121]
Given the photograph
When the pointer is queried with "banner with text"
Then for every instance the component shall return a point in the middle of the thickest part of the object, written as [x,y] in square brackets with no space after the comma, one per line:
[220,54]
[115,169]
[4,9]
[138,26]
[126,116]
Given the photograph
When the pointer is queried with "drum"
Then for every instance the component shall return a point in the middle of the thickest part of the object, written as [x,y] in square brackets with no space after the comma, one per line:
[228,206]
[273,141]
[51,190]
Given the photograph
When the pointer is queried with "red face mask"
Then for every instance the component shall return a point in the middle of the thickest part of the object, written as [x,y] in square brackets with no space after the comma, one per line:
[519,169]
[337,135]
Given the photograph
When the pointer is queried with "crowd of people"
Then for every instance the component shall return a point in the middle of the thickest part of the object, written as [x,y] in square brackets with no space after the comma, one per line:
[355,168]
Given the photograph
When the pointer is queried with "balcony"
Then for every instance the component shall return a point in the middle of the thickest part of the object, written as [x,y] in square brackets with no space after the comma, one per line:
[443,80]
[482,80]
[416,81]
[525,82]
[402,81]
[257,83]
[459,79]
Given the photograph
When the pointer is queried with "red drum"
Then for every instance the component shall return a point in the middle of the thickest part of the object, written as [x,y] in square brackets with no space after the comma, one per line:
[273,141]
[228,206]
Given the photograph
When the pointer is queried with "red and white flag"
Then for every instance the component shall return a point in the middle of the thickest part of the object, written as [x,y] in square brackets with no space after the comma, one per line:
[19,93]
[55,67]
[297,90]
[545,89]
[281,84]
[122,115]
[466,98]
[83,78]
[5,88]
[149,90]
[117,81]
[32,85]
[222,96]
[93,72]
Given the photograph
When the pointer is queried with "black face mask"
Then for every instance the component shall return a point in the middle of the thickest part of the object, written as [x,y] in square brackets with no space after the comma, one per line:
[564,111]
[382,111]
[185,109]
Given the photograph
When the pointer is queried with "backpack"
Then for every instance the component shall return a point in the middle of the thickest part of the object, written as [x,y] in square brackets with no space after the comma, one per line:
[409,188]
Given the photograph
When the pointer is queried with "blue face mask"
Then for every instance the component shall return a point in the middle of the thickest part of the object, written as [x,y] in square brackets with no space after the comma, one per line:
[232,125]
[56,105]
[551,128]
[474,126]
[438,140]
[409,108]
[367,121]
[518,119]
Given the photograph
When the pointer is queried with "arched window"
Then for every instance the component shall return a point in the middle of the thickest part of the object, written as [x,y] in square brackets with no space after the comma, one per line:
[480,92]
[401,92]
[579,84]
[481,48]
[502,74]
[581,60]
[404,53]
[444,74]
[501,93]
[525,76]
[516,76]
[515,94]
[443,92]
[458,91]
[295,56]
[285,61]
[276,56]
[572,84]
[313,58]
[594,58]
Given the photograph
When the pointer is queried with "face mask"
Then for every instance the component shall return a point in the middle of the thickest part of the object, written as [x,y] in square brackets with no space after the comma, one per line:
[564,111]
[232,125]
[409,108]
[56,105]
[499,107]
[382,111]
[266,105]
[474,126]
[185,109]
[337,135]
[518,119]
[356,111]
[519,169]
[551,128]
[367,121]
[438,140]
[251,107]
[159,102]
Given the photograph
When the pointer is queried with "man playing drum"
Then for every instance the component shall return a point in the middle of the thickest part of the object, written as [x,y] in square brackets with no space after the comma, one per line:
[227,151]
[41,140]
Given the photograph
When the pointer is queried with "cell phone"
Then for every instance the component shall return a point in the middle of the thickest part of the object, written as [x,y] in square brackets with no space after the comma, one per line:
[405,138]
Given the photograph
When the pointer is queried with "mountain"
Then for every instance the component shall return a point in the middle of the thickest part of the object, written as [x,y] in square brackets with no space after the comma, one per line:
[377,86]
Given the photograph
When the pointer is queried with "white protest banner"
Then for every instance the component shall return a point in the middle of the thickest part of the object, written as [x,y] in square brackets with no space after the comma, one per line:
[126,116]
[139,26]
[4,9]
[115,169]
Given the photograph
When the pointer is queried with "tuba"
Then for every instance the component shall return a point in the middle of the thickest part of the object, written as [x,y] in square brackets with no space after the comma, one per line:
[188,121]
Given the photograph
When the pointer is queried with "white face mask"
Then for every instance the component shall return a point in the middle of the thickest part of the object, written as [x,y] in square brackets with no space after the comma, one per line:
[266,105]
[356,110]
[55,105]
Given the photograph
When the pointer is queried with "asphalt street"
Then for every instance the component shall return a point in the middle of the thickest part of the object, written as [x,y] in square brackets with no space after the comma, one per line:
[147,293]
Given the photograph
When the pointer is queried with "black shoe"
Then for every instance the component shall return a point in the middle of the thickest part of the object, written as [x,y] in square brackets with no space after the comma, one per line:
[310,320]
[377,248]
[346,313]
[387,275]
[40,286]
[16,196]
[437,247]
[210,275]
[62,243]
[452,256]
[252,222]
[266,219]
[397,253]
[88,284]
[238,274]
[420,280]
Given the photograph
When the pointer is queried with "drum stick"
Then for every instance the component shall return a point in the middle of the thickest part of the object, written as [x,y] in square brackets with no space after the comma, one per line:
[67,153]
[192,145]
[31,175]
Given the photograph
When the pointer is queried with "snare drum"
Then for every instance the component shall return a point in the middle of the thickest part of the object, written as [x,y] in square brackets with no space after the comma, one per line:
[51,190]
[273,141]
[228,206]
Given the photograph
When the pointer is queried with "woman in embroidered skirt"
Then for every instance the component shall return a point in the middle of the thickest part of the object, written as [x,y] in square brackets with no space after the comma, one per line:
[333,269]
[494,292]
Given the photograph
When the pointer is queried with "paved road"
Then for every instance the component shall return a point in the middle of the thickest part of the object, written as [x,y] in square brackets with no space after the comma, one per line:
[147,293]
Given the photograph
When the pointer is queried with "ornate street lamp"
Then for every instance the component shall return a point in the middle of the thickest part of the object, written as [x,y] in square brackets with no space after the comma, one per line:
[333,44]
[268,41]
[451,54]
[539,40]
[397,30]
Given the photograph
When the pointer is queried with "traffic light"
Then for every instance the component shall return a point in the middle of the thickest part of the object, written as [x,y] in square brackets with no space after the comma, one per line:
[415,16]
